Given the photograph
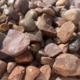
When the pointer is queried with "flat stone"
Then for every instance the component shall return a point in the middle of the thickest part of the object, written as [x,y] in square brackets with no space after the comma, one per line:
[66,31]
[52,50]
[17,73]
[13,44]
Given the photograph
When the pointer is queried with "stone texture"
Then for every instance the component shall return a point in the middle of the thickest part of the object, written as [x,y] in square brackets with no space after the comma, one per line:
[66,31]
[17,73]
[52,50]
[10,2]
[15,43]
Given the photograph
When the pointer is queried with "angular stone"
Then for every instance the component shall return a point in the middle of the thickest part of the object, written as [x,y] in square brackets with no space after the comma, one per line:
[11,66]
[66,31]
[3,66]
[15,43]
[17,73]
[31,73]
[67,65]
[35,36]
[47,61]
[46,70]
[52,50]
[24,58]
[21,6]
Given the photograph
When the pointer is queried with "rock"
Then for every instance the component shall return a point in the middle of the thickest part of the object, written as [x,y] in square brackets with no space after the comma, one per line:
[48,41]
[24,58]
[35,36]
[4,27]
[46,70]
[17,73]
[11,23]
[21,6]
[34,0]
[74,46]
[38,10]
[56,40]
[47,61]
[66,31]
[67,65]
[15,43]
[5,76]
[11,13]
[31,14]
[10,2]
[63,47]
[52,50]
[2,2]
[4,6]
[79,26]
[3,66]
[72,15]
[49,11]
[31,73]
[28,24]
[18,28]
[11,66]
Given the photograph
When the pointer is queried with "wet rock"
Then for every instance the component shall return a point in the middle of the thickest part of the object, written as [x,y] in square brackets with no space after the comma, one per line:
[24,58]
[17,73]
[47,61]
[49,11]
[31,14]
[35,36]
[48,41]
[31,73]
[28,24]
[3,66]
[72,15]
[46,70]
[52,50]
[74,46]
[11,66]
[66,31]
[15,43]
[67,65]
[21,6]
[4,27]
[11,13]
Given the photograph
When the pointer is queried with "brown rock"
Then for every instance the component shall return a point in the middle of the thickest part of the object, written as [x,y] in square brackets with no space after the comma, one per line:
[67,65]
[31,73]
[4,27]
[24,58]
[2,2]
[79,26]
[46,70]
[52,50]
[11,66]
[48,41]
[66,31]
[21,6]
[35,36]
[56,40]
[3,66]
[11,23]
[15,43]
[38,10]
[63,47]
[17,73]
[47,61]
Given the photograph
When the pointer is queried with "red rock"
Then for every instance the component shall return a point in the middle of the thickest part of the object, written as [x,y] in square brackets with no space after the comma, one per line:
[15,43]
[17,73]
[52,50]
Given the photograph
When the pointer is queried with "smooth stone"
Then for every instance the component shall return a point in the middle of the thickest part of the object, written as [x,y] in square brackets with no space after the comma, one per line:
[3,66]
[66,31]
[28,24]
[11,13]
[11,23]
[2,2]
[31,73]
[38,10]
[52,50]
[17,73]
[49,11]
[24,58]
[46,70]
[31,14]
[11,66]
[21,6]
[4,27]
[10,2]
[47,61]
[34,0]
[67,65]
[15,43]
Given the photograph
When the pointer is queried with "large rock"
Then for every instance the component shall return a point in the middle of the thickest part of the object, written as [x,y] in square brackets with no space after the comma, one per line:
[15,43]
